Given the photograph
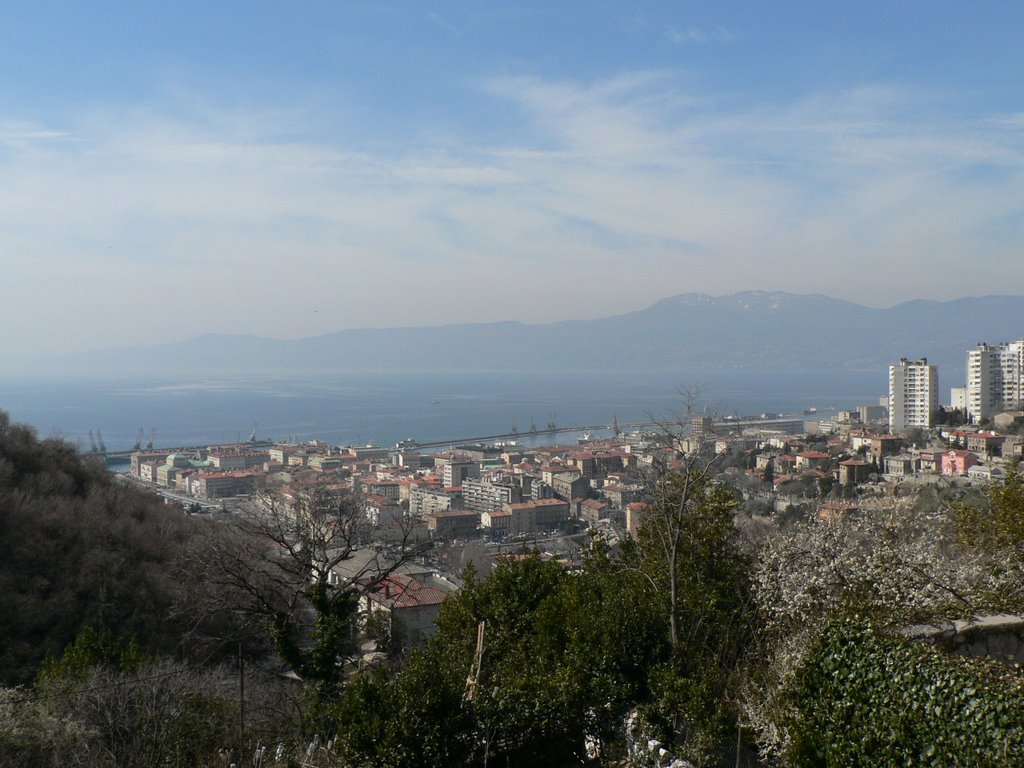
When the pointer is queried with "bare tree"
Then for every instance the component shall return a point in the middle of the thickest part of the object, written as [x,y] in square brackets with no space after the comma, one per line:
[296,567]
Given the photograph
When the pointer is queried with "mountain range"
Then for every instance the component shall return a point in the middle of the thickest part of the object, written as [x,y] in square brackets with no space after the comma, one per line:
[753,330]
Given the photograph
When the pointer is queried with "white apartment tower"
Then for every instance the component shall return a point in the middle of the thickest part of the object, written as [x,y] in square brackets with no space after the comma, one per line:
[995,374]
[913,394]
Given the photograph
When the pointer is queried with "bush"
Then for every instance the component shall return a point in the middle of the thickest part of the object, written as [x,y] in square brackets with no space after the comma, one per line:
[864,698]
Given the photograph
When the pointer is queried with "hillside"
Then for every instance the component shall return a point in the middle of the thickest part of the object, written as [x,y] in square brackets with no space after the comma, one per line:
[80,549]
[753,330]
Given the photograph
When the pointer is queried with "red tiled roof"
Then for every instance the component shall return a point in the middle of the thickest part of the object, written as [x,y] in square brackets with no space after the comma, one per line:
[400,591]
[812,455]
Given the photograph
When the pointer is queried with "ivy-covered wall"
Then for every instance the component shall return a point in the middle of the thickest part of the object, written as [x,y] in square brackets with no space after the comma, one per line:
[999,637]
[866,698]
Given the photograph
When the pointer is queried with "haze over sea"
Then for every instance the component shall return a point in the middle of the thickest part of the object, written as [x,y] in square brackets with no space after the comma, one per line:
[383,409]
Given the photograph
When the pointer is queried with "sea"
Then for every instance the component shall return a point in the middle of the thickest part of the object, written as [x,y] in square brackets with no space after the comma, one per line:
[382,409]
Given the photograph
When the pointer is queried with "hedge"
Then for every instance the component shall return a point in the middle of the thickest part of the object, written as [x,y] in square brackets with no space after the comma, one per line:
[867,698]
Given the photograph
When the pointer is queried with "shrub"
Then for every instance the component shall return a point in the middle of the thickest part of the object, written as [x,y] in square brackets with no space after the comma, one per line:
[864,698]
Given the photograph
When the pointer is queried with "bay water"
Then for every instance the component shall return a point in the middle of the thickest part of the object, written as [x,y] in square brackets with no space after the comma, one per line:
[382,409]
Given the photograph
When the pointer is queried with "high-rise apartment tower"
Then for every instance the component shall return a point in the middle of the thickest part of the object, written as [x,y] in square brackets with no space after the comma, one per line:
[995,375]
[913,394]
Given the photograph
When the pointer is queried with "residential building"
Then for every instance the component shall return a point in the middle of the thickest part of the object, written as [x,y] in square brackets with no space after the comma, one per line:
[457,470]
[142,457]
[913,394]
[324,463]
[568,486]
[958,398]
[453,523]
[995,379]
[901,465]
[371,452]
[488,496]
[591,510]
[427,500]
[811,459]
[872,413]
[498,522]
[853,472]
[231,460]
[219,485]
[409,604]
[987,444]
[537,515]
[371,486]
[958,462]
[930,461]
[382,511]
[635,513]
[282,452]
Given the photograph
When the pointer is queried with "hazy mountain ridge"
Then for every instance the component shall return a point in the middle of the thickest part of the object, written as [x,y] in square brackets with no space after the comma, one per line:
[757,330]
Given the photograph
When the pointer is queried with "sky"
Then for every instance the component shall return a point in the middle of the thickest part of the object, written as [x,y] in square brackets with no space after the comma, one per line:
[292,169]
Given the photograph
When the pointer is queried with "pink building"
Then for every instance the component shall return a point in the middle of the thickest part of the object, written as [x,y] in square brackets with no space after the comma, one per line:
[957,462]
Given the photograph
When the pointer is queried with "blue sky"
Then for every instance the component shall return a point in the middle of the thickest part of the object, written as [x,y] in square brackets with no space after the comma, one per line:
[289,169]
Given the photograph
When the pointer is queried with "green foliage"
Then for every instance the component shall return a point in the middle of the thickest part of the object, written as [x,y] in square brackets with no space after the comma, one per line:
[565,655]
[688,550]
[415,717]
[317,659]
[997,524]
[378,627]
[867,699]
[92,648]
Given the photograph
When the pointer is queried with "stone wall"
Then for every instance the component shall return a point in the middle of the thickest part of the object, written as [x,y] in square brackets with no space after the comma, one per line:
[999,637]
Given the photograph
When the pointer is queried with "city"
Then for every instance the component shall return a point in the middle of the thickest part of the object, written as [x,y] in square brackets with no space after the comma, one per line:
[522,384]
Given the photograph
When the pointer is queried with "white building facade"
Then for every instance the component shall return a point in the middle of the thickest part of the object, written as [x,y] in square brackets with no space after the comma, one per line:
[913,394]
[995,374]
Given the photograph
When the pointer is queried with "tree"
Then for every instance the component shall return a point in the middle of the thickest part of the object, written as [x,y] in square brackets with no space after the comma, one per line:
[686,537]
[687,549]
[563,658]
[80,549]
[296,568]
[998,523]
[162,713]
[32,733]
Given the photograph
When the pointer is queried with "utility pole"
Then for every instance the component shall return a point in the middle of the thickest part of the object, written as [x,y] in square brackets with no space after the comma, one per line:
[241,703]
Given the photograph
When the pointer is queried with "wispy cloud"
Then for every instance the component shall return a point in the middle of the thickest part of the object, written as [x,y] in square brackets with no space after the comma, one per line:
[639,184]
[698,35]
[442,23]
[24,132]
